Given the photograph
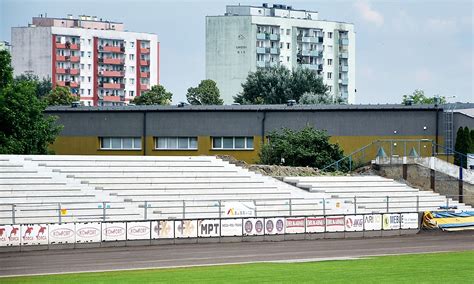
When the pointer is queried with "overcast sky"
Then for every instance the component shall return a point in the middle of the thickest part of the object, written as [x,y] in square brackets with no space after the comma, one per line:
[401,45]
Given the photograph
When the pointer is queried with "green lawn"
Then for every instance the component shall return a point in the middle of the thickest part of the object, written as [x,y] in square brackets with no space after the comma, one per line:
[455,267]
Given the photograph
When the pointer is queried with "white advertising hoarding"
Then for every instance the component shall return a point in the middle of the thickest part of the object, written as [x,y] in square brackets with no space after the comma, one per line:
[354,223]
[235,209]
[9,235]
[34,234]
[162,229]
[62,233]
[335,224]
[373,222]
[185,229]
[254,227]
[231,227]
[209,228]
[138,230]
[315,224]
[409,221]
[274,226]
[295,225]
[89,232]
[391,221]
[114,231]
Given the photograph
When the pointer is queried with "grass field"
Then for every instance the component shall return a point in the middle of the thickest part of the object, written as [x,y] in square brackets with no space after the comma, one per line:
[456,267]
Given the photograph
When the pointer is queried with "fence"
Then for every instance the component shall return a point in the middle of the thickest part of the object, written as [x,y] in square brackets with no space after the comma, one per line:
[97,232]
[182,209]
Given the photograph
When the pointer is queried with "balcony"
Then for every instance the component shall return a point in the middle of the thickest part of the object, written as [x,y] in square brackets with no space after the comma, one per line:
[112,73]
[261,36]
[144,62]
[60,71]
[344,81]
[112,61]
[343,55]
[144,50]
[110,48]
[344,41]
[143,87]
[261,64]
[71,84]
[344,68]
[315,53]
[310,66]
[274,50]
[67,45]
[74,84]
[114,86]
[73,71]
[144,74]
[111,98]
[60,58]
[73,58]
[310,39]
[261,50]
[344,94]
[274,37]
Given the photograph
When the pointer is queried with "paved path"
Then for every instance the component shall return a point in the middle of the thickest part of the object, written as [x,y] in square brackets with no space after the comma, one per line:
[102,259]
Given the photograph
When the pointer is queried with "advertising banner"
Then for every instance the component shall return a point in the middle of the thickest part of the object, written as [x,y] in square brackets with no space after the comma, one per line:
[354,223]
[34,234]
[88,232]
[295,225]
[315,224]
[162,229]
[409,221]
[373,222]
[114,231]
[209,228]
[339,206]
[62,233]
[138,230]
[231,227]
[274,226]
[9,235]
[335,224]
[235,209]
[185,229]
[253,227]
[391,221]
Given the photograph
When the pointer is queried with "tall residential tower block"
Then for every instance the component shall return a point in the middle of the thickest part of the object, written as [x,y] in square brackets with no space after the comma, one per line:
[249,37]
[98,60]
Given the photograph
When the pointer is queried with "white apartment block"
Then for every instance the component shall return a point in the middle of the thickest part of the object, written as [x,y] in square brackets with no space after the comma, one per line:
[96,59]
[249,37]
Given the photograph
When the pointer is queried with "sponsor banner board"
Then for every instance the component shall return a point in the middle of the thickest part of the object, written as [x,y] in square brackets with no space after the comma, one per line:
[88,232]
[209,228]
[34,234]
[185,229]
[253,227]
[62,233]
[163,229]
[114,231]
[274,226]
[315,224]
[138,230]
[231,227]
[9,235]
[391,221]
[354,223]
[339,206]
[295,225]
[409,221]
[373,222]
[236,209]
[335,224]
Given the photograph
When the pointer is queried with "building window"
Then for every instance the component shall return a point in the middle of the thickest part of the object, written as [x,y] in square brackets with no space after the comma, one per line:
[330,88]
[82,78]
[89,40]
[329,75]
[176,143]
[130,93]
[121,143]
[89,66]
[82,53]
[287,45]
[131,56]
[132,44]
[232,143]
[89,92]
[132,81]
[329,62]
[82,91]
[89,79]
[329,34]
[287,31]
[89,54]
[287,59]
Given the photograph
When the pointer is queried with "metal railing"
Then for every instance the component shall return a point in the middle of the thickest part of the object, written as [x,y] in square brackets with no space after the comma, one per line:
[182,209]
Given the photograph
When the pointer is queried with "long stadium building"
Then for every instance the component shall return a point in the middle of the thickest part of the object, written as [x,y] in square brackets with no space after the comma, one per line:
[239,131]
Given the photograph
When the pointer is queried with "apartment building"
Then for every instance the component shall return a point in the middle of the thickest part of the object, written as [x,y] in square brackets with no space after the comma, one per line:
[249,37]
[97,59]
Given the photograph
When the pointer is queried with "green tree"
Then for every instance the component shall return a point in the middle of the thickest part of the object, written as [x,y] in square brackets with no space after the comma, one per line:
[6,70]
[277,85]
[156,96]
[60,96]
[471,150]
[418,97]
[24,129]
[206,93]
[43,86]
[463,145]
[314,99]
[308,147]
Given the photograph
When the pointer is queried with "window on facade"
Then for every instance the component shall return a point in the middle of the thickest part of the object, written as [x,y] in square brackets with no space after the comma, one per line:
[329,62]
[89,54]
[287,45]
[329,75]
[89,79]
[82,53]
[232,143]
[287,59]
[130,93]
[287,31]
[82,91]
[329,34]
[132,81]
[176,143]
[121,143]
[89,66]
[89,92]
[131,56]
